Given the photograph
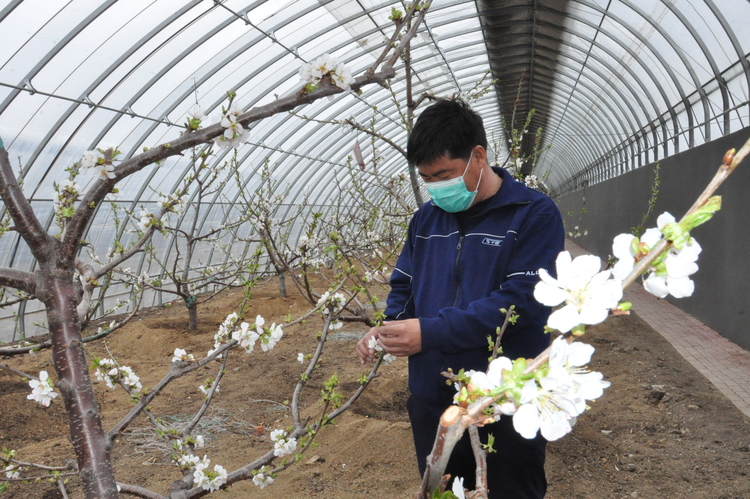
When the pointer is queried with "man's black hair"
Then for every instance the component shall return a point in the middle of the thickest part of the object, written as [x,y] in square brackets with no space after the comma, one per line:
[446,128]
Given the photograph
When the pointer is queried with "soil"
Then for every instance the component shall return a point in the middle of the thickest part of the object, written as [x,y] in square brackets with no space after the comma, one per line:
[660,431]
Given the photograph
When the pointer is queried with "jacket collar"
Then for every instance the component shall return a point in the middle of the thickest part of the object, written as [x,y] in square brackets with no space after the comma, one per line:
[511,192]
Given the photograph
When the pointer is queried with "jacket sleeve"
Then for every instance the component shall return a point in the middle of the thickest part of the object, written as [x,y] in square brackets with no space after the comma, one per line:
[400,304]
[537,245]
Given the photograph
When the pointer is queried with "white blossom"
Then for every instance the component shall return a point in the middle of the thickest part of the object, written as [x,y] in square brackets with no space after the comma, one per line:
[203,463]
[588,294]
[246,337]
[667,277]
[11,472]
[458,488]
[90,159]
[225,332]
[283,446]
[622,249]
[209,480]
[262,480]
[373,344]
[531,181]
[547,409]
[188,461]
[300,357]
[182,355]
[494,375]
[105,170]
[43,390]
[234,133]
[342,76]
[333,302]
[114,373]
[205,388]
[173,202]
[673,277]
[313,73]
[388,358]
[200,442]
[567,361]
[67,193]
[145,221]
[552,405]
[196,113]
[269,340]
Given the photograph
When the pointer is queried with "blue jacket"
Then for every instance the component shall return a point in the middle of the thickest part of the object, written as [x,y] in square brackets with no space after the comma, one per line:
[455,273]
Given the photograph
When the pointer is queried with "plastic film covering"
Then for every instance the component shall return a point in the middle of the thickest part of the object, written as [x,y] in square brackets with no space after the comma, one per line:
[615,85]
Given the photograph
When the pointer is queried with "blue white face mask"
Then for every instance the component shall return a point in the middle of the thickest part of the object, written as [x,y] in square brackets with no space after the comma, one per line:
[452,195]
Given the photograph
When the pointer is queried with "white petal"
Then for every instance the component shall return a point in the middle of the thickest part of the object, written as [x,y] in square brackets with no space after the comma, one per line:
[555,428]
[557,379]
[651,237]
[548,279]
[656,285]
[591,314]
[579,354]
[495,372]
[690,251]
[458,488]
[621,246]
[507,408]
[680,287]
[528,392]
[480,380]
[591,386]
[562,265]
[607,295]
[586,266]
[526,421]
[623,267]
[678,267]
[564,319]
[559,353]
[549,295]
[600,278]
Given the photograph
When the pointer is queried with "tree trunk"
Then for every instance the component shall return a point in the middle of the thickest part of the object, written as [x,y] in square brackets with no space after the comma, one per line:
[192,315]
[282,285]
[86,432]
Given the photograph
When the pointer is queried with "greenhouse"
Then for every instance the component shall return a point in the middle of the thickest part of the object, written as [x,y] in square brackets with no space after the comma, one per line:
[161,153]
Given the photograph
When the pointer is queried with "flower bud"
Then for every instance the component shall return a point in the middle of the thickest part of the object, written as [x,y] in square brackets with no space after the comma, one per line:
[579,330]
[675,232]
[702,214]
[729,156]
[624,306]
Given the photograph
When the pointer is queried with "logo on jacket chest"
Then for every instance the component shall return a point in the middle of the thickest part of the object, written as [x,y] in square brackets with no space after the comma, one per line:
[492,242]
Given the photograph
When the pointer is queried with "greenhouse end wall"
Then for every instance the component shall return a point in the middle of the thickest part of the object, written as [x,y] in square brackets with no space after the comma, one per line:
[722,284]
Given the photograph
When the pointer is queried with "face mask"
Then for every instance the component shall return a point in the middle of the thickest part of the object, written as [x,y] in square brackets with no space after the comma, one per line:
[452,195]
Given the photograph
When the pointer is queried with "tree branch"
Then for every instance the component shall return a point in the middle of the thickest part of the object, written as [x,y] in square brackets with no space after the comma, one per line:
[135,490]
[18,279]
[27,224]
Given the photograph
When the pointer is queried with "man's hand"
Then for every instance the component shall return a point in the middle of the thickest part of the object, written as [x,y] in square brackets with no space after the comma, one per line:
[367,354]
[400,338]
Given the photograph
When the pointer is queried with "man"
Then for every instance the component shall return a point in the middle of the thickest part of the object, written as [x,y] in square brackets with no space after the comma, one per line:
[476,248]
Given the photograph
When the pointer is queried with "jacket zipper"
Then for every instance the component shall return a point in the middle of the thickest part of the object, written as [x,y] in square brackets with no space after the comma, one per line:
[458,269]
